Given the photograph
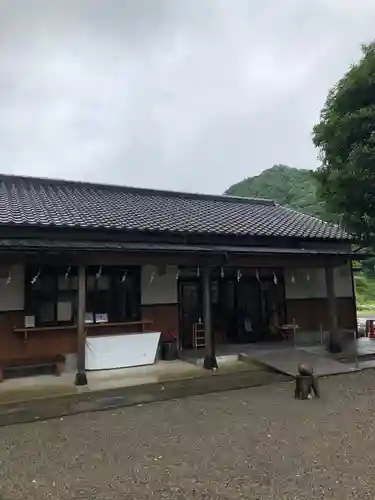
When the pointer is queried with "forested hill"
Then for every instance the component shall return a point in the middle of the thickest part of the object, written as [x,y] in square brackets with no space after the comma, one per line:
[289,186]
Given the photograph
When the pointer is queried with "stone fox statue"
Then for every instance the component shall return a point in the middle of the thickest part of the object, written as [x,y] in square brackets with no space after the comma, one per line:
[306,383]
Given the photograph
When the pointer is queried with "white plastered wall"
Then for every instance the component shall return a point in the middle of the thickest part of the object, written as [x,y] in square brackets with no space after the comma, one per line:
[311,284]
[159,285]
[12,288]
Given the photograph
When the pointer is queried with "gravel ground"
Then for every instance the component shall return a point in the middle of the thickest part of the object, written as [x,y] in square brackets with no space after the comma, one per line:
[256,444]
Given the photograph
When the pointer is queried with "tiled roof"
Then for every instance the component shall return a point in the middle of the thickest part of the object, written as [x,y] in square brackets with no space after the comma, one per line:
[26,201]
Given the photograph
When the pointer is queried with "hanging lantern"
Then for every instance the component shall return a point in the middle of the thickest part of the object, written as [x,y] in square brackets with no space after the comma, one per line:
[239,274]
[274,278]
[222,272]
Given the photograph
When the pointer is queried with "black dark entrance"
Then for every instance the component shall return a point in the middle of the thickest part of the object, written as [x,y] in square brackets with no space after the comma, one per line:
[244,306]
[191,311]
[247,314]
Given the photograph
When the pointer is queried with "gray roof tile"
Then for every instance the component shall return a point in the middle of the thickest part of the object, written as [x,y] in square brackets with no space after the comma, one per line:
[53,203]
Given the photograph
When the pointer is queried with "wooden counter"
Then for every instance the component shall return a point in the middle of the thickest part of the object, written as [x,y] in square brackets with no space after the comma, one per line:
[91,328]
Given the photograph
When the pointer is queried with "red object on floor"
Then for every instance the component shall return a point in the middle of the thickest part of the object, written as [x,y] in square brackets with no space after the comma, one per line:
[371,332]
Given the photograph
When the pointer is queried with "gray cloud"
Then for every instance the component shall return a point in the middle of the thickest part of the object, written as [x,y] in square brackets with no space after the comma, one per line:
[191,95]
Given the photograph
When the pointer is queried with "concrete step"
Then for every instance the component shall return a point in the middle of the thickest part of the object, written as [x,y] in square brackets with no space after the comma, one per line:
[287,362]
[221,359]
[57,407]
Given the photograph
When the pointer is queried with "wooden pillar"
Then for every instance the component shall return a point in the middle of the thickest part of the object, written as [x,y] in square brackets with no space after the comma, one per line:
[81,378]
[210,362]
[334,340]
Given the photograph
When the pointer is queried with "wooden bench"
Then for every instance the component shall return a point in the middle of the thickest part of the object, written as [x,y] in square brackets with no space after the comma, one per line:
[55,363]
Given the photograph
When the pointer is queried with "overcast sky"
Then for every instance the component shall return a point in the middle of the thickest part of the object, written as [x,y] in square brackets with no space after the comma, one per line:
[178,94]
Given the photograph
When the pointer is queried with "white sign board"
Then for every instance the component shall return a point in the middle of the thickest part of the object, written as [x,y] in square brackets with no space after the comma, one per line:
[121,351]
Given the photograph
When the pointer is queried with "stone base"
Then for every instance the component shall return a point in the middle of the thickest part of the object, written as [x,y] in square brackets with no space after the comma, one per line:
[210,363]
[81,378]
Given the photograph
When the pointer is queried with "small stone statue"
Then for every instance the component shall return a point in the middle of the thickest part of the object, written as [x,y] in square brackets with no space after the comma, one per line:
[306,383]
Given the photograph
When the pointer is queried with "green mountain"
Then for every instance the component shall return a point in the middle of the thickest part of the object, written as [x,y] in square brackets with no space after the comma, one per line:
[289,186]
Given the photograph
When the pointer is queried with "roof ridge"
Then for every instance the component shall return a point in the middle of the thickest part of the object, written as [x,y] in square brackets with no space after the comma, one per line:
[136,190]
[321,221]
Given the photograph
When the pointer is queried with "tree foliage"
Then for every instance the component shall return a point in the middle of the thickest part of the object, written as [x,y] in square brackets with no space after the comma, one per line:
[345,137]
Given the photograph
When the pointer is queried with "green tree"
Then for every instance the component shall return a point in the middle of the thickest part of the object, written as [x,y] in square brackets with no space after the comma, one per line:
[346,139]
[369,267]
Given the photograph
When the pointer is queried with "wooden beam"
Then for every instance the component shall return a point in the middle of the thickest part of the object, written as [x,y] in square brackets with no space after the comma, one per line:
[81,378]
[123,258]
